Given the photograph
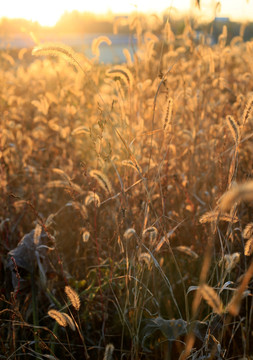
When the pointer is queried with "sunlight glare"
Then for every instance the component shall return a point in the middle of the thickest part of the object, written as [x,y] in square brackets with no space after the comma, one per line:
[47,13]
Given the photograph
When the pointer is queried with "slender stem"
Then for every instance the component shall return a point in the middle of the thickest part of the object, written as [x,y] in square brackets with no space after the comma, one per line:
[35,312]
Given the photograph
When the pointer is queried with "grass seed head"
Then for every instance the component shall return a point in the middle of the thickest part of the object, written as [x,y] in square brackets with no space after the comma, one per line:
[231,260]
[212,298]
[247,111]
[73,297]
[129,233]
[102,179]
[238,193]
[58,316]
[109,349]
[248,231]
[248,250]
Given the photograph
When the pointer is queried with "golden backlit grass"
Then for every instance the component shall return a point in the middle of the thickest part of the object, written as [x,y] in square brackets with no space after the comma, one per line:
[140,175]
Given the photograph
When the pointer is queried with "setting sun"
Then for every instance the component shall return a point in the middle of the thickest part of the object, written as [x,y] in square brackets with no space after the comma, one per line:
[47,13]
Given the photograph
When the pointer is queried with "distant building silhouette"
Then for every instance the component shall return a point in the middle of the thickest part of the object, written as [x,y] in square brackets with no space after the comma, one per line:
[221,19]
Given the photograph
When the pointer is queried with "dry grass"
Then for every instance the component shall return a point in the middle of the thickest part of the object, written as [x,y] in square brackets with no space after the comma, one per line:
[138,182]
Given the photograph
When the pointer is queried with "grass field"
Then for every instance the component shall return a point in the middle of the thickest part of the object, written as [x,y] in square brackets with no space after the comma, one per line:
[131,189]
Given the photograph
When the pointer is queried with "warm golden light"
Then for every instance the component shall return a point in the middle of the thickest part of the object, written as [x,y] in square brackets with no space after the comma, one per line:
[48,12]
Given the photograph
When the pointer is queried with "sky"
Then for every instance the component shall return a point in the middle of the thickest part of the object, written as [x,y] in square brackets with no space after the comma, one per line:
[48,12]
